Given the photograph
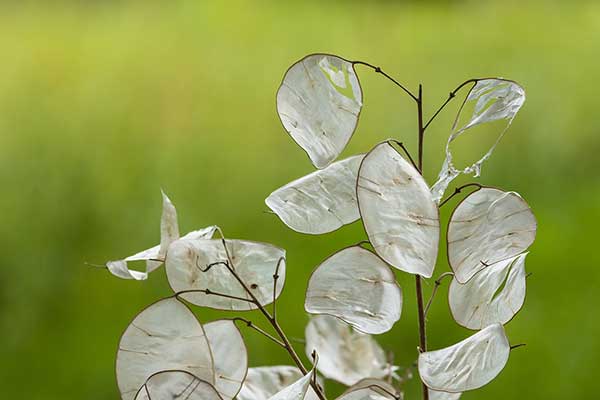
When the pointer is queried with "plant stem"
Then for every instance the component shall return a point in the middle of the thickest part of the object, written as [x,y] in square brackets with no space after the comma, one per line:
[438,282]
[458,190]
[250,324]
[286,343]
[380,71]
[419,288]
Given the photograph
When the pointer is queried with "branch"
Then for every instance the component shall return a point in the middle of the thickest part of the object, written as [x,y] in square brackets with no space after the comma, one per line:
[380,71]
[209,266]
[450,97]
[250,324]
[87,264]
[396,396]
[458,190]
[275,278]
[437,283]
[516,346]
[286,343]
[405,151]
[210,292]
[418,286]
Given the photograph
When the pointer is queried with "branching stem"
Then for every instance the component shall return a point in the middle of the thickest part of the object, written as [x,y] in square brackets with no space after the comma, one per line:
[250,324]
[437,284]
[380,71]
[284,340]
[458,190]
[450,97]
[419,288]
[275,278]
[212,293]
[401,145]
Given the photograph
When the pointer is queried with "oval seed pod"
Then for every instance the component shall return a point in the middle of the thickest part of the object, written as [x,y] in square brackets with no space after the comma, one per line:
[319,102]
[493,295]
[189,268]
[358,287]
[320,202]
[488,226]
[397,210]
[167,385]
[346,355]
[491,100]
[164,336]
[467,365]
[230,357]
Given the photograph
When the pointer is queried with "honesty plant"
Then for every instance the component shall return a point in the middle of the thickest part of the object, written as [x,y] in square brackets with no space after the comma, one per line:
[166,353]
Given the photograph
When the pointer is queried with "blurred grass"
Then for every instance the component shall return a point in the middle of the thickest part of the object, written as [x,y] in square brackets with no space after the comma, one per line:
[103,103]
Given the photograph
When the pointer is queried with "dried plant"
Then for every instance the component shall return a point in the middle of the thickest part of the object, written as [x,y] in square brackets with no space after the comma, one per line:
[166,353]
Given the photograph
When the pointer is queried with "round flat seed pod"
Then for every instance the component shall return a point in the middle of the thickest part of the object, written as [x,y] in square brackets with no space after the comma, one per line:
[255,263]
[319,102]
[436,395]
[493,295]
[320,202]
[488,101]
[371,389]
[397,210]
[230,357]
[358,287]
[263,382]
[488,226]
[467,365]
[164,336]
[345,355]
[297,390]
[171,385]
[365,393]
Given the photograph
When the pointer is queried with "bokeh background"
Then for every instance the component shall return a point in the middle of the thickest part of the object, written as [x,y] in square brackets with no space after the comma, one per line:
[104,103]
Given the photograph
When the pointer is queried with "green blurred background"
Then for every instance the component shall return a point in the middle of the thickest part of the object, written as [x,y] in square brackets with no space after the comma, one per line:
[104,103]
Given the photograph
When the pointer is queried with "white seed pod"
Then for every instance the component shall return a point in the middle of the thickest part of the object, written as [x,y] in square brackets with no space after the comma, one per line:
[263,382]
[320,202]
[488,226]
[467,365]
[169,232]
[365,393]
[397,210]
[345,355]
[255,263]
[319,102]
[165,336]
[370,389]
[358,287]
[437,395]
[167,385]
[492,100]
[230,357]
[297,390]
[493,295]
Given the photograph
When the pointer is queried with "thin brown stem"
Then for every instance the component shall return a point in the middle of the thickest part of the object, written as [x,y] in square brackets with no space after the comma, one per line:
[401,145]
[516,346]
[450,97]
[458,190]
[418,285]
[250,324]
[439,110]
[212,293]
[376,387]
[286,343]
[380,71]
[437,284]
[275,278]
